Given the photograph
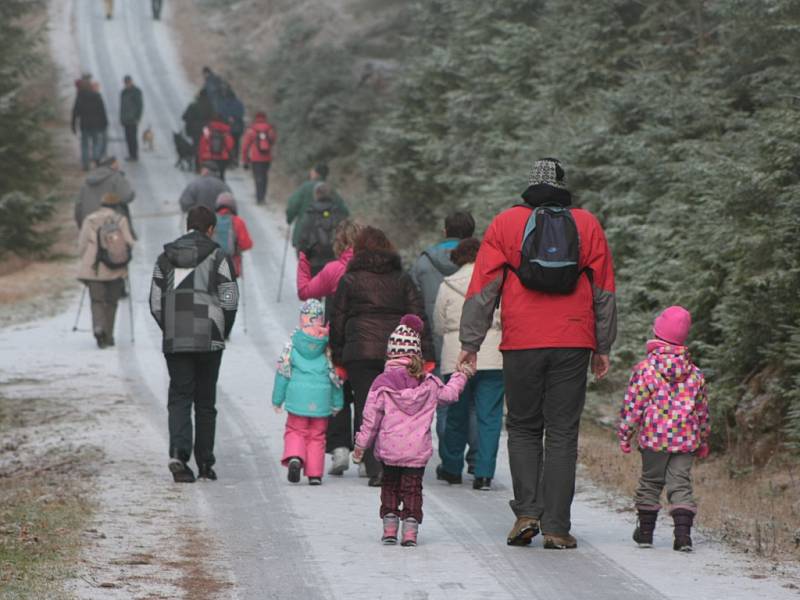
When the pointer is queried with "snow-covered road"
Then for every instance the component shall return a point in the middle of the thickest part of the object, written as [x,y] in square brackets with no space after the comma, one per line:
[294,541]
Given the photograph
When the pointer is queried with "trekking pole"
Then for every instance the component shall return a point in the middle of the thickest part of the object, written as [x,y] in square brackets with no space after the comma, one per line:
[283,262]
[80,307]
[130,307]
[244,299]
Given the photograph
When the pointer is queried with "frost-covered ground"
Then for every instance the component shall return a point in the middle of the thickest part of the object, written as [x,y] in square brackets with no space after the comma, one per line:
[254,534]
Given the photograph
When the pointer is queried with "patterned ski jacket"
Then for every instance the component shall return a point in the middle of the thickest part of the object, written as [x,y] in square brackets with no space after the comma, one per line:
[399,412]
[666,400]
[193,295]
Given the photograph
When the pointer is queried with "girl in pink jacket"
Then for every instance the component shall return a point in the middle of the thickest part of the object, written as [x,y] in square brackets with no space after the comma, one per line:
[666,402]
[397,418]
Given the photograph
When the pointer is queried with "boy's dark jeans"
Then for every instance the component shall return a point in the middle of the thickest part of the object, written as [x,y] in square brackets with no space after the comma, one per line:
[193,382]
[545,391]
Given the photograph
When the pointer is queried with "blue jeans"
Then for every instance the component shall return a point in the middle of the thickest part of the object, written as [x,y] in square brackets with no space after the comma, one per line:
[93,146]
[486,391]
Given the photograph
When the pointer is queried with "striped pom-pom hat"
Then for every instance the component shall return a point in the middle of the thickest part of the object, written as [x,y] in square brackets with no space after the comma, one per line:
[406,338]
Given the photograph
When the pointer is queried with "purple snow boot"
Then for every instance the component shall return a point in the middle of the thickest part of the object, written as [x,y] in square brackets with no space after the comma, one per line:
[645,526]
[684,519]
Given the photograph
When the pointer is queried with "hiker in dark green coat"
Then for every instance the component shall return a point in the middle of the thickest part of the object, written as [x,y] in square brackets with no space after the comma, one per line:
[131,106]
[302,197]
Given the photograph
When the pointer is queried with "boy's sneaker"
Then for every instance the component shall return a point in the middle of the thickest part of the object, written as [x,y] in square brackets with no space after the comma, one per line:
[181,473]
[341,461]
[295,465]
[410,530]
[555,541]
[206,472]
[315,481]
[391,523]
[482,483]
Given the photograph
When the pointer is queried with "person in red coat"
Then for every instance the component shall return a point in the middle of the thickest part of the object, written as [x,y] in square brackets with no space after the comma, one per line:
[226,206]
[257,150]
[216,144]
[548,342]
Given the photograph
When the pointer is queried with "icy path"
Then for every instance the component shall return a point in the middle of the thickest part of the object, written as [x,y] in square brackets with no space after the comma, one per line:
[284,541]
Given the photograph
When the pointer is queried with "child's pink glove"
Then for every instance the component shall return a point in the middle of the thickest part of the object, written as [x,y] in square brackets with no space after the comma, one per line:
[358,455]
[703,451]
[625,446]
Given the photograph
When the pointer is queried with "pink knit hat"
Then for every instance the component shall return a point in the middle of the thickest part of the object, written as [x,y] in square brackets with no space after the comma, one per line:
[673,325]
[405,339]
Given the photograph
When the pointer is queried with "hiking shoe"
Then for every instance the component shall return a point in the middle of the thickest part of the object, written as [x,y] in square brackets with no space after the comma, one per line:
[181,473]
[390,525]
[555,541]
[100,337]
[206,472]
[450,478]
[341,461]
[295,464]
[315,481]
[482,483]
[524,530]
[376,480]
[410,530]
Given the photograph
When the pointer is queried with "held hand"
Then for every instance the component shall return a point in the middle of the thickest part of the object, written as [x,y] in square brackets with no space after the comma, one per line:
[470,358]
[600,365]
[625,446]
[703,451]
[429,366]
[466,369]
[341,372]
[278,410]
[358,455]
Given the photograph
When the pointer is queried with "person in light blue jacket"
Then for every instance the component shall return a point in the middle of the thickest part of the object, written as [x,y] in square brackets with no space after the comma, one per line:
[307,385]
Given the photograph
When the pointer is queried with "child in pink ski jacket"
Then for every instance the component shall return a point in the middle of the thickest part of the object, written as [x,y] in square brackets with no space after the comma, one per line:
[397,418]
[666,401]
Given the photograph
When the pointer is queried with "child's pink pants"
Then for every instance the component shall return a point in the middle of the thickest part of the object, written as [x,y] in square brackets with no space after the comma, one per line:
[304,438]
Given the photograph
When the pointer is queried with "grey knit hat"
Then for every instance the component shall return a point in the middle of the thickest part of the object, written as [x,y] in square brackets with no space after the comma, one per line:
[548,171]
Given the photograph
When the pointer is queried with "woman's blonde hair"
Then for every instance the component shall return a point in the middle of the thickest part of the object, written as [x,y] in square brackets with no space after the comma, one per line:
[346,233]
[416,368]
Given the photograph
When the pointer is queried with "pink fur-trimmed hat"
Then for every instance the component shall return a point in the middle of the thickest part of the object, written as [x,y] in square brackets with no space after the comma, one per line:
[673,325]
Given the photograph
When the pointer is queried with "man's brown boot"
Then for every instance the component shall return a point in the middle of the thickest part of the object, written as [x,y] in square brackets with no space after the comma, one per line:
[524,530]
[556,541]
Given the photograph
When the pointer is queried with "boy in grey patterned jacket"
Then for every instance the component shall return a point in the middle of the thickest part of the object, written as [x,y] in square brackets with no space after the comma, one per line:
[193,298]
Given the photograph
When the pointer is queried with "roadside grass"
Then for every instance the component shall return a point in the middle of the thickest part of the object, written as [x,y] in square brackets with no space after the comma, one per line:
[44,506]
[755,510]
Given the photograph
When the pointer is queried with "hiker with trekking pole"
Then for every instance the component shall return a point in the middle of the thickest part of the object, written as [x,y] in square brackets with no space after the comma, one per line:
[105,244]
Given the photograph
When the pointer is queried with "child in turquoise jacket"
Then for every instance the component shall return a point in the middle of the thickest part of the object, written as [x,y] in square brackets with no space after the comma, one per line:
[307,384]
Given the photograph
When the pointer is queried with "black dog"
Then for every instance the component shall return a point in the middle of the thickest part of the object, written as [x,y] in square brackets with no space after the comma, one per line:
[185,149]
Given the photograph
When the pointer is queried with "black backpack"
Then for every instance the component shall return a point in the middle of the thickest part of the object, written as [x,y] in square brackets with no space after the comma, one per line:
[319,230]
[550,251]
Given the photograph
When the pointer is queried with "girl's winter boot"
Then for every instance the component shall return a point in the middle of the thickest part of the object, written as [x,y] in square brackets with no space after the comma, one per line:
[645,526]
[684,519]
[391,523]
[410,530]
[295,466]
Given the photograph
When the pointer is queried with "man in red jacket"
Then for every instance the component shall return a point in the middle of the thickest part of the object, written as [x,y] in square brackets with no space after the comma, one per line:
[548,339]
[257,147]
[216,144]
